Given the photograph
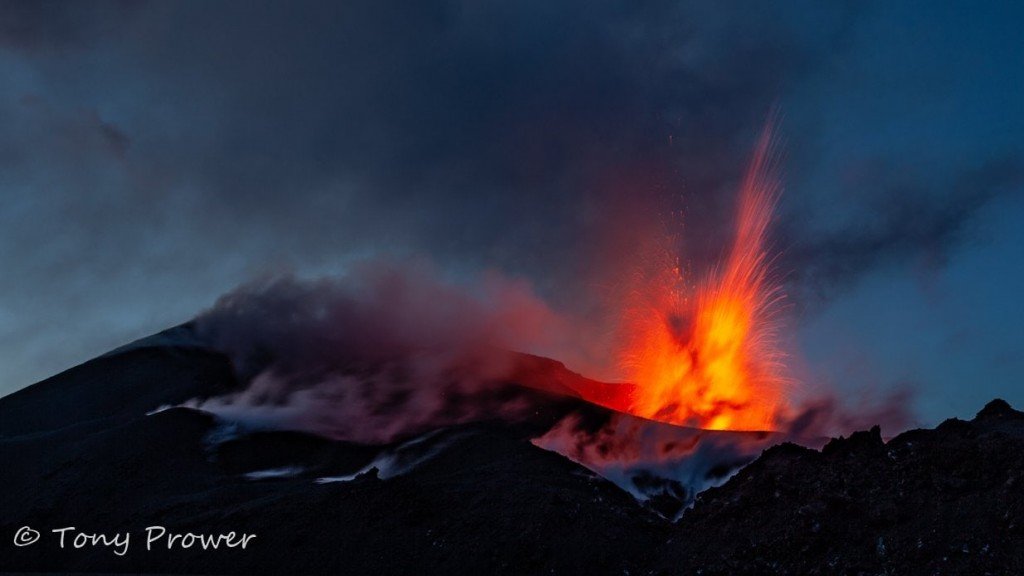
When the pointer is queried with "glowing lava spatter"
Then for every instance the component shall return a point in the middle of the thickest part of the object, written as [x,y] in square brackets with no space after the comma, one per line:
[706,355]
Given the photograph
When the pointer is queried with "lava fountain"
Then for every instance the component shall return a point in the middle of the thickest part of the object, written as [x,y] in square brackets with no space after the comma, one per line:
[705,354]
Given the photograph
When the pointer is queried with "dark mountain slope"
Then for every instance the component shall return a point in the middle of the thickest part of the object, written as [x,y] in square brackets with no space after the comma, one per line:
[490,501]
[942,501]
[114,389]
[79,450]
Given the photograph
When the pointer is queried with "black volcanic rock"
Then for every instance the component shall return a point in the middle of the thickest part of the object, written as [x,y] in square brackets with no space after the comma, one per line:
[943,501]
[999,408]
[79,450]
[113,389]
[863,443]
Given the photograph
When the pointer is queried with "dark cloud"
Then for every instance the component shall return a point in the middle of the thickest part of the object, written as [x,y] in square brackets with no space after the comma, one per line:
[536,137]
[155,155]
[903,220]
[195,142]
[56,24]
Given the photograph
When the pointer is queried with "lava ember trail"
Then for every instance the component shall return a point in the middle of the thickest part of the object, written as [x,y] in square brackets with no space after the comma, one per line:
[706,355]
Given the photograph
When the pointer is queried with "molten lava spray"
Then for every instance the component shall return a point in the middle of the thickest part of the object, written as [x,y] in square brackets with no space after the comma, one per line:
[706,355]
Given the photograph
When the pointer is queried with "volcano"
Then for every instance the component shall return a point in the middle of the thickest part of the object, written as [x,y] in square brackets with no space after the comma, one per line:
[90,453]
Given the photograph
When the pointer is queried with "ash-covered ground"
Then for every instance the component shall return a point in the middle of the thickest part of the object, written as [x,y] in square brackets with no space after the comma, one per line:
[86,449]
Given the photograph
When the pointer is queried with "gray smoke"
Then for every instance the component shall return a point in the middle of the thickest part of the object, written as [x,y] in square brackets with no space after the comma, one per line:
[385,352]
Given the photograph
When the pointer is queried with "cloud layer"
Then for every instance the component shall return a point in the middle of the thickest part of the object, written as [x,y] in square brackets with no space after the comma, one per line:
[154,156]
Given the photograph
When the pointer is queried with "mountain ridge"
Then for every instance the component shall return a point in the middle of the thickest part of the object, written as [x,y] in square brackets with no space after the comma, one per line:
[85,448]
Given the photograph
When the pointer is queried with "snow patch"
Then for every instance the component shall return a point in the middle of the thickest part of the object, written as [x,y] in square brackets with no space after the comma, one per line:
[283,472]
[401,459]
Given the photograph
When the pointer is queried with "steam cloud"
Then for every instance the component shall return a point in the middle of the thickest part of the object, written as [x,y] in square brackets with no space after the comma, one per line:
[827,415]
[667,466]
[383,353]
[654,461]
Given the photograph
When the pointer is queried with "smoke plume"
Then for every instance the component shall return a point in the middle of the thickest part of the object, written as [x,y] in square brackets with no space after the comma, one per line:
[383,353]
[391,351]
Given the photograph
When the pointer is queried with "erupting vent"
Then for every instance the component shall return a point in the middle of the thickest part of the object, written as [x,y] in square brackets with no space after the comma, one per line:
[705,353]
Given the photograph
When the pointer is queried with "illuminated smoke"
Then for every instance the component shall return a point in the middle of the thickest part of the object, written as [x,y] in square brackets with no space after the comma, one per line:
[383,353]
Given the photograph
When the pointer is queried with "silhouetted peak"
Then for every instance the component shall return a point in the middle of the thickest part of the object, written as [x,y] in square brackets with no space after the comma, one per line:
[864,441]
[999,408]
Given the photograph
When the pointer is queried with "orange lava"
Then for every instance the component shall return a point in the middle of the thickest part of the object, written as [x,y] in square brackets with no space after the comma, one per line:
[705,354]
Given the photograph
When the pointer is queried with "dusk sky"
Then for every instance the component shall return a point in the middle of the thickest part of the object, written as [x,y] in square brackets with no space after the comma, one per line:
[155,155]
